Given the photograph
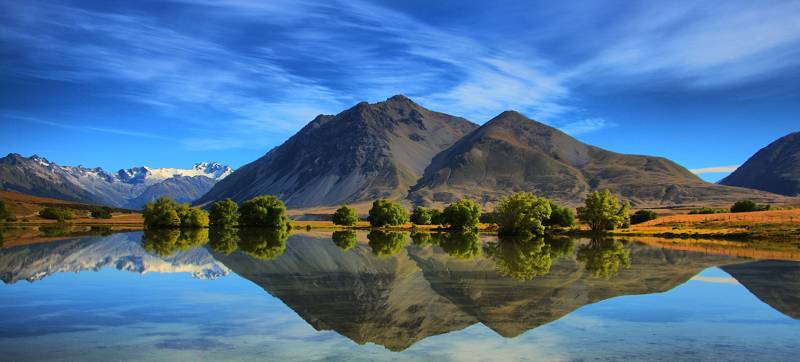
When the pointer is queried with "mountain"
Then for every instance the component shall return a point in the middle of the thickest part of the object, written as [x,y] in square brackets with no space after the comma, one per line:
[366,152]
[775,168]
[128,188]
[774,282]
[512,153]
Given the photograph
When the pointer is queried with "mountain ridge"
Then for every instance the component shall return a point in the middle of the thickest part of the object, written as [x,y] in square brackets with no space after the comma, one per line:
[774,168]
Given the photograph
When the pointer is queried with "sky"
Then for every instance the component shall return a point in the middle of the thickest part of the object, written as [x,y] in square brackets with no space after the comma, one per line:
[162,83]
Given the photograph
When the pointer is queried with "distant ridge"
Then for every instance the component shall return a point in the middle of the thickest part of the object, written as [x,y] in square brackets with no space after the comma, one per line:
[774,168]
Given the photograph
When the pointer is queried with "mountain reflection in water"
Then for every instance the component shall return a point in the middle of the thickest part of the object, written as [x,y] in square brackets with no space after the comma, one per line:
[395,289]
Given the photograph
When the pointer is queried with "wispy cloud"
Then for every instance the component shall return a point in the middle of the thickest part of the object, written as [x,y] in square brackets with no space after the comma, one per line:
[117,131]
[585,126]
[716,169]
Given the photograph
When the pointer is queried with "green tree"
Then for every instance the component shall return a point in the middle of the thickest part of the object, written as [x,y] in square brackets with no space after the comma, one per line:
[56,213]
[161,214]
[436,217]
[603,212]
[345,216]
[263,211]
[521,256]
[748,206]
[224,213]
[263,243]
[162,242]
[641,216]
[4,213]
[461,244]
[386,213]
[522,213]
[424,239]
[462,215]
[224,239]
[560,216]
[386,243]
[101,212]
[195,218]
[420,216]
[344,239]
[603,257]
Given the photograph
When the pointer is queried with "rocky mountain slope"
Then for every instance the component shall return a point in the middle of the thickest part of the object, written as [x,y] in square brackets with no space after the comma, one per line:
[366,152]
[128,188]
[774,168]
[512,153]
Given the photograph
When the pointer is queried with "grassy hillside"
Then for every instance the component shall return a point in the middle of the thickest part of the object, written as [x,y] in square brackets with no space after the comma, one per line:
[26,208]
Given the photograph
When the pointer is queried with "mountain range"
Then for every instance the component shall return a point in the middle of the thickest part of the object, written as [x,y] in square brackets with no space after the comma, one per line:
[774,168]
[397,149]
[127,188]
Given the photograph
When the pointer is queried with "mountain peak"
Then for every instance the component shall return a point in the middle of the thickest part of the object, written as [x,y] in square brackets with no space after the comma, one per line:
[774,168]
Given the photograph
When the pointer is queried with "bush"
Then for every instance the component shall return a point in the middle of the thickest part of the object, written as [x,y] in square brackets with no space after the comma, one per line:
[224,213]
[195,218]
[386,213]
[462,215]
[420,216]
[161,214]
[522,213]
[560,216]
[344,239]
[101,212]
[603,212]
[436,217]
[643,216]
[345,216]
[56,213]
[263,211]
[748,206]
[707,210]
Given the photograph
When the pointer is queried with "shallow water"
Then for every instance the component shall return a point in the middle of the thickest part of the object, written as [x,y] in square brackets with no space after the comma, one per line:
[117,298]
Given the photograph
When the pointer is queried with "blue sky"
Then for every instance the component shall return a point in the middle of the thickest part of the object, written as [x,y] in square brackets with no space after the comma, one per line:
[170,83]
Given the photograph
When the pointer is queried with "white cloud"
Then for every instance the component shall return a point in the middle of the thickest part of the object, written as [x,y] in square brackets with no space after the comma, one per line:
[716,169]
[585,126]
[117,131]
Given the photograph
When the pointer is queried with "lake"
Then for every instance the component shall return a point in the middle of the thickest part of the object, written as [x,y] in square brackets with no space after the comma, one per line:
[354,296]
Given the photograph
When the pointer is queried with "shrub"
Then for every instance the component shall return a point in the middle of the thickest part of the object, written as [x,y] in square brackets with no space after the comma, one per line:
[603,212]
[345,216]
[101,212]
[560,216]
[56,213]
[386,213]
[224,213]
[420,216]
[263,211]
[161,214]
[748,206]
[522,213]
[643,216]
[344,239]
[462,215]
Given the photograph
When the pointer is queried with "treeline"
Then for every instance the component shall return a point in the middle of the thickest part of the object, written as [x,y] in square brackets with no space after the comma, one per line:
[262,211]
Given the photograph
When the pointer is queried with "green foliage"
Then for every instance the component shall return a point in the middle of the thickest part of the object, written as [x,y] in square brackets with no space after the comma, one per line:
[748,206]
[4,213]
[55,230]
[461,244]
[166,241]
[603,212]
[263,211]
[522,213]
[424,239]
[643,216]
[195,218]
[386,243]
[56,213]
[603,257]
[520,256]
[224,213]
[161,214]
[462,215]
[101,212]
[263,243]
[345,216]
[386,213]
[707,210]
[223,239]
[420,216]
[560,216]
[344,239]
[436,217]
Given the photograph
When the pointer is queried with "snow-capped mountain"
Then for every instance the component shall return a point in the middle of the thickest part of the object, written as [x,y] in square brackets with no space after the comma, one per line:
[128,188]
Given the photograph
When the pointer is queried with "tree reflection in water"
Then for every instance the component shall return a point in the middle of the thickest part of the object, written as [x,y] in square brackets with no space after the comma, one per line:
[462,245]
[265,244]
[224,240]
[385,243]
[603,257]
[524,257]
[344,239]
[423,239]
[165,242]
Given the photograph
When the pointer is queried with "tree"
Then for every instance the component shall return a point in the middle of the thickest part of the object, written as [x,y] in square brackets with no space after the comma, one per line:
[263,211]
[420,216]
[424,238]
[386,243]
[161,214]
[101,212]
[223,239]
[462,215]
[224,213]
[560,216]
[345,216]
[748,206]
[263,243]
[4,213]
[461,244]
[386,213]
[603,257]
[344,239]
[522,213]
[603,212]
[521,256]
[195,218]
[643,216]
[56,213]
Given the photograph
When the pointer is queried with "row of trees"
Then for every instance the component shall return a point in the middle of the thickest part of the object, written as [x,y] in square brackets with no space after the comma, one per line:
[165,213]
[261,211]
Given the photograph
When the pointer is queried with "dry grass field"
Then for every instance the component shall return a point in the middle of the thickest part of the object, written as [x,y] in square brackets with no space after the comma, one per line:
[26,208]
[778,224]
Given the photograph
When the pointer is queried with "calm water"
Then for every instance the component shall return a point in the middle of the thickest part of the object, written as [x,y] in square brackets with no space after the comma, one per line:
[386,297]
